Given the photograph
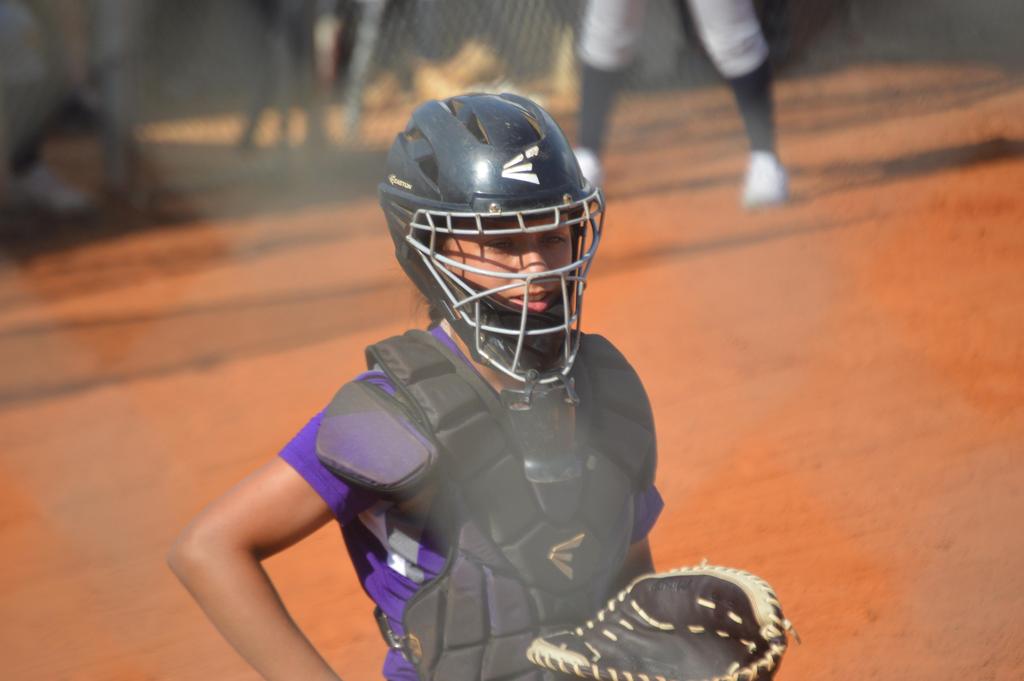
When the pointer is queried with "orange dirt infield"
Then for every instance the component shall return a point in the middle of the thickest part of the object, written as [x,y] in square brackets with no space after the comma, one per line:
[838,386]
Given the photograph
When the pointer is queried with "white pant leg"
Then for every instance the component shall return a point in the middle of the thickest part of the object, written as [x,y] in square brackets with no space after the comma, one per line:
[611,32]
[731,34]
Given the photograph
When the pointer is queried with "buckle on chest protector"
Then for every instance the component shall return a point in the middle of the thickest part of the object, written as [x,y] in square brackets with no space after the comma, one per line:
[408,645]
[543,418]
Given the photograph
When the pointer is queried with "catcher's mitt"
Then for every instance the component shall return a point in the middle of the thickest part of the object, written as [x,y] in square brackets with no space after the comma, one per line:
[700,623]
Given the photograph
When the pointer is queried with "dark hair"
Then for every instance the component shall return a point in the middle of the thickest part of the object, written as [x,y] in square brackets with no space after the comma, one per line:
[436,316]
[418,301]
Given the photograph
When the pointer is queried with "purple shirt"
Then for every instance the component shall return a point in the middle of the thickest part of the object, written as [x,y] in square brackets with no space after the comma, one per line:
[389,575]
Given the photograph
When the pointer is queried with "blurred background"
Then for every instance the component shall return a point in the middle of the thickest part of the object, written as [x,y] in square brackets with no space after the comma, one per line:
[142,104]
[192,259]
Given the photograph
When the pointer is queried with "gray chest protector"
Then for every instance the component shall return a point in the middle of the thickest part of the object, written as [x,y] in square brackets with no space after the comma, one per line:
[534,538]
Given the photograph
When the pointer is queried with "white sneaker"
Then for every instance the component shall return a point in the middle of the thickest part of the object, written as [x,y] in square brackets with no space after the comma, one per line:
[40,188]
[766,183]
[590,165]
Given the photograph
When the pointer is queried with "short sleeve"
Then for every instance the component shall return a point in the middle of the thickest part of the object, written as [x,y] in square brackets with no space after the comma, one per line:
[647,507]
[345,501]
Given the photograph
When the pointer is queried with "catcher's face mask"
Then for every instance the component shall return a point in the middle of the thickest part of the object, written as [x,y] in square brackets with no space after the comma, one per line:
[516,278]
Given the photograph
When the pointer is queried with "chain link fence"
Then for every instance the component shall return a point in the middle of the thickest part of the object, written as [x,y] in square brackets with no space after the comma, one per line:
[204,92]
[219,91]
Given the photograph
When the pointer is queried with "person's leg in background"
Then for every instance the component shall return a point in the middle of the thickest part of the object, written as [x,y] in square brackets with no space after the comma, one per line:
[286,71]
[31,182]
[610,36]
[32,100]
[735,42]
[25,140]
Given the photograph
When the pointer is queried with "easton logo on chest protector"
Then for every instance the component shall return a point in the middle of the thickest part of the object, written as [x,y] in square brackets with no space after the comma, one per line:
[561,554]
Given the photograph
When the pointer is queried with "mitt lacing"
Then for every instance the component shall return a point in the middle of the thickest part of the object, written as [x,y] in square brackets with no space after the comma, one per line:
[767,610]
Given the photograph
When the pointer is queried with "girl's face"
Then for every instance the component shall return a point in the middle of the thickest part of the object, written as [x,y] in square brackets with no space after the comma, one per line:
[525,253]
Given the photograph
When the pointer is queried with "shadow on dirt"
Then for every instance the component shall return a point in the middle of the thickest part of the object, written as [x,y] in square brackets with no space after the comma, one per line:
[193,338]
[238,187]
[804,112]
[198,338]
[845,176]
[664,252]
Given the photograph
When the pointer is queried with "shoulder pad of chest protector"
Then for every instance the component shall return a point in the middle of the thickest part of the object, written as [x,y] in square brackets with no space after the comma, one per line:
[622,426]
[366,439]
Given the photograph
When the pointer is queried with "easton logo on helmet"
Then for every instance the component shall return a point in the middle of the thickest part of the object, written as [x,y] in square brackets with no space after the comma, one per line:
[401,183]
[516,169]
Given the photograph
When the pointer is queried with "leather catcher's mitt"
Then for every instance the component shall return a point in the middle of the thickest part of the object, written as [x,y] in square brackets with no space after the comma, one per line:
[705,623]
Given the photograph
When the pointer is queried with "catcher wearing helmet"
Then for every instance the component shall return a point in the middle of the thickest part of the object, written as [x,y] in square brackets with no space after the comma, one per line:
[493,474]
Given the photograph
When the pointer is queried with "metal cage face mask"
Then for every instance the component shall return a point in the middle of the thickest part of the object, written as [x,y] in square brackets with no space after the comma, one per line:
[529,346]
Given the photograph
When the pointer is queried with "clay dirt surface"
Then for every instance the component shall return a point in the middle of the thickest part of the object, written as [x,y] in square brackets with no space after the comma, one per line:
[838,385]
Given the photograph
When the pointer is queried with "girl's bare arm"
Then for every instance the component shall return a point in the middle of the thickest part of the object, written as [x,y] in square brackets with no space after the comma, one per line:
[217,557]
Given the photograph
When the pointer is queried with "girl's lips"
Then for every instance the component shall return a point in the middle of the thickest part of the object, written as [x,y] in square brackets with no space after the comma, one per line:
[536,304]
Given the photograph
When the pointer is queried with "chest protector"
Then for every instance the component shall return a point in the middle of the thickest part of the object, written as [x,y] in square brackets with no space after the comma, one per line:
[523,557]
